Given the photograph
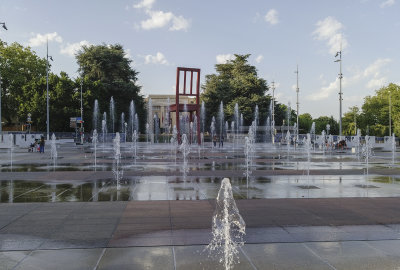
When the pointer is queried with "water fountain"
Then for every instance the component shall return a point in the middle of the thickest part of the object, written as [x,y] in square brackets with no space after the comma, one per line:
[96,113]
[312,134]
[156,128]
[203,117]
[11,145]
[356,143]
[94,141]
[288,141]
[307,147]
[237,121]
[134,144]
[150,122]
[122,123]
[212,129]
[112,115]
[247,154]
[185,149]
[131,122]
[256,118]
[174,141]
[367,152]
[221,121]
[117,169]
[393,142]
[228,228]
[53,153]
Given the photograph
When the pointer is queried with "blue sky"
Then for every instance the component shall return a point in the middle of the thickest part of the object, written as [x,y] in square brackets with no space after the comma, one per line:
[161,35]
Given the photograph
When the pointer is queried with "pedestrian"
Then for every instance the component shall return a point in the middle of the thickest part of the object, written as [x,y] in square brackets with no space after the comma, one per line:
[221,141]
[41,145]
[215,140]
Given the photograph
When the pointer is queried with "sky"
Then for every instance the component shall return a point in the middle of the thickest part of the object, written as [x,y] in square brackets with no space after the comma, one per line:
[159,36]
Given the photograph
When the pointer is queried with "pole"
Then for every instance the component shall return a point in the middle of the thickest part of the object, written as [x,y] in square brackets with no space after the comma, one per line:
[47,89]
[1,131]
[390,113]
[81,113]
[340,94]
[297,103]
[273,111]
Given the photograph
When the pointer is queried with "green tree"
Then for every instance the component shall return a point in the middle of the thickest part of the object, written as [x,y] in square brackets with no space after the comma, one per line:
[351,121]
[19,67]
[236,82]
[108,73]
[305,122]
[322,122]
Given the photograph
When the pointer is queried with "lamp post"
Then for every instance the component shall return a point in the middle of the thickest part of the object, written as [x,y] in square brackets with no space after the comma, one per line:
[273,111]
[339,53]
[390,113]
[297,103]
[47,88]
[1,131]
[82,130]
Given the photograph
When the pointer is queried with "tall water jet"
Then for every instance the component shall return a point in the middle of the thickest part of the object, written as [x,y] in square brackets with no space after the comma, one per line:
[241,123]
[256,118]
[221,121]
[212,129]
[357,144]
[393,147]
[174,141]
[134,144]
[96,113]
[288,115]
[131,121]
[307,147]
[288,140]
[112,115]
[328,129]
[185,149]
[104,126]
[156,127]
[150,121]
[94,141]
[137,123]
[367,151]
[11,142]
[228,228]
[247,154]
[236,118]
[203,116]
[53,152]
[167,121]
[122,123]
[117,170]
[312,134]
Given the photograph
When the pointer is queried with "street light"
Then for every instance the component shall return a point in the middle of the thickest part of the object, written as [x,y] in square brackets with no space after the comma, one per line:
[339,53]
[297,103]
[273,111]
[1,131]
[390,113]
[81,112]
[47,88]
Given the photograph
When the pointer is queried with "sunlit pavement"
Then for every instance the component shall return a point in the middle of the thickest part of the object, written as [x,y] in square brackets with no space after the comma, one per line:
[60,219]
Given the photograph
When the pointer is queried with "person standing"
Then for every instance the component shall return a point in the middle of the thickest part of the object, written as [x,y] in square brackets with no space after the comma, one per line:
[221,141]
[215,140]
[41,145]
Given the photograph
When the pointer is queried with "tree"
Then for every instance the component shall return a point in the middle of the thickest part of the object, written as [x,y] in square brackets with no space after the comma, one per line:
[322,122]
[19,67]
[351,121]
[108,73]
[236,82]
[305,122]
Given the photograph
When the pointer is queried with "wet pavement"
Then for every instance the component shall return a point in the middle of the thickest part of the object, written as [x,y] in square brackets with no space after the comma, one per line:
[72,216]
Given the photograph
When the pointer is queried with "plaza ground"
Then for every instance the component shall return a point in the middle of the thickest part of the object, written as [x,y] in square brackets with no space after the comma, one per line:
[72,216]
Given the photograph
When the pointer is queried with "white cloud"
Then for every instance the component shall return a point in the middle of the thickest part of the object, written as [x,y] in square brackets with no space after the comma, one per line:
[159,58]
[370,77]
[387,3]
[179,23]
[160,19]
[272,17]
[72,49]
[329,30]
[224,58]
[376,83]
[147,4]
[325,91]
[259,58]
[39,39]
